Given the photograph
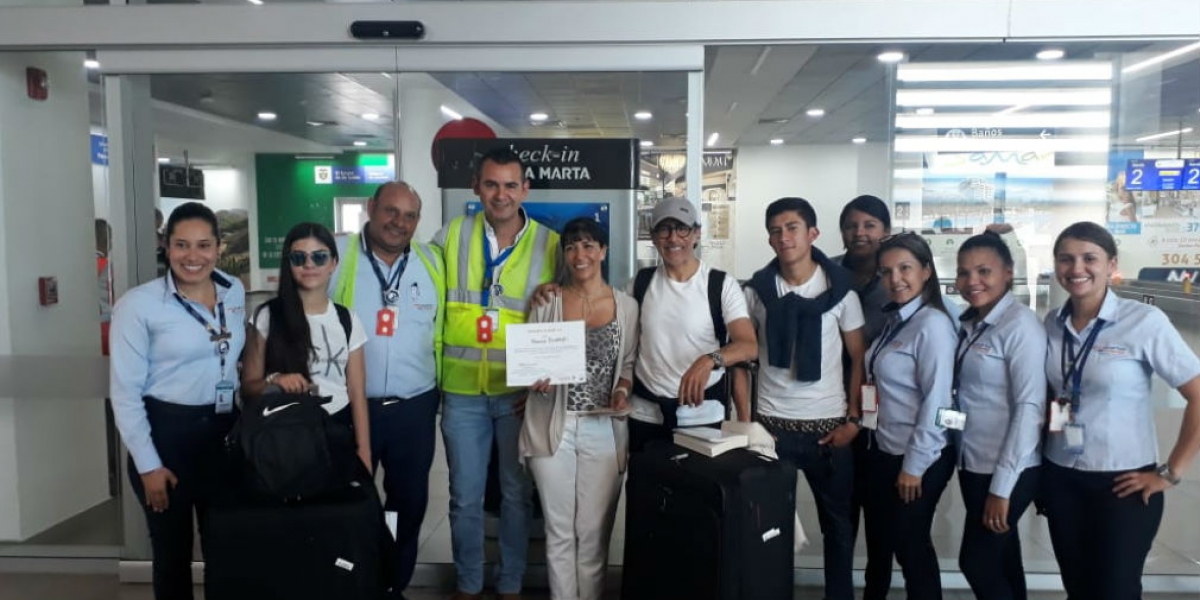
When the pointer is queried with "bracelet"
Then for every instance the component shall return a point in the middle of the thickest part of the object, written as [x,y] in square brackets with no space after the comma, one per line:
[623,390]
[270,379]
[1164,471]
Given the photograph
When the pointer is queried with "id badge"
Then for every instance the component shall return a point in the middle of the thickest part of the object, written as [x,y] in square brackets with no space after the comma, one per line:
[870,401]
[224,402]
[1074,434]
[494,315]
[483,329]
[1060,415]
[951,419]
[870,420]
[385,322]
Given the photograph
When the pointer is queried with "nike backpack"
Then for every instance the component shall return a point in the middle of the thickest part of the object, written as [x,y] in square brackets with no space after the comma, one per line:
[290,449]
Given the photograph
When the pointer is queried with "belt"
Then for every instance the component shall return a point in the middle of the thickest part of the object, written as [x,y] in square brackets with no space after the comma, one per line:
[821,426]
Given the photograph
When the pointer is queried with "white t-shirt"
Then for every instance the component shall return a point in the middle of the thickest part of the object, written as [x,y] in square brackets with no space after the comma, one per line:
[780,394]
[676,329]
[328,367]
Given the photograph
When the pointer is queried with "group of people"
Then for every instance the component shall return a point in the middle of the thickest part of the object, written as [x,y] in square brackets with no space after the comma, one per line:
[867,384]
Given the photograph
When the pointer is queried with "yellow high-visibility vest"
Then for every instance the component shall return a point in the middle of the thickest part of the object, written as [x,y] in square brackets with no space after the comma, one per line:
[471,367]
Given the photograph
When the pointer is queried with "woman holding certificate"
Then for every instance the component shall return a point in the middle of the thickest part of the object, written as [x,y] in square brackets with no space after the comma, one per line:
[574,435]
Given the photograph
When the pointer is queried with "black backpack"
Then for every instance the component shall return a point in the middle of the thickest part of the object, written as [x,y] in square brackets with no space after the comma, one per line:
[289,448]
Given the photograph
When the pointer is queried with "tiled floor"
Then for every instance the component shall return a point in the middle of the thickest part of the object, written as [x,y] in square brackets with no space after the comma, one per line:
[106,587]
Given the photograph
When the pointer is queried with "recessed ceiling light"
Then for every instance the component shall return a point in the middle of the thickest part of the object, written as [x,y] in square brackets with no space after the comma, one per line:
[643,115]
[712,139]
[91,63]
[815,112]
[314,123]
[267,116]
[359,143]
[924,111]
[647,143]
[255,2]
[777,142]
[450,112]
[538,117]
[371,116]
[891,56]
[1051,54]
[859,140]
[163,160]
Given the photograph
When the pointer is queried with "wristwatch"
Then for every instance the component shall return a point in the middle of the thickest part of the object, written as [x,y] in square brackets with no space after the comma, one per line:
[856,420]
[718,360]
[1164,471]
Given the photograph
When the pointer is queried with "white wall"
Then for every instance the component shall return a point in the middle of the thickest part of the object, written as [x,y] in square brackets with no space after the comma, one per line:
[56,465]
[828,176]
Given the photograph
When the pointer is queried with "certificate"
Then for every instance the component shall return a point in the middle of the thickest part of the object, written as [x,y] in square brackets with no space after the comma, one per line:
[536,351]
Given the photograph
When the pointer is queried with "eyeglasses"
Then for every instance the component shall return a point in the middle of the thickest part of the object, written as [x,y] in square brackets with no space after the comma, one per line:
[299,258]
[664,231]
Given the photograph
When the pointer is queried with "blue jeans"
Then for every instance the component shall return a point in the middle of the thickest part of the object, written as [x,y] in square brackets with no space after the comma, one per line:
[469,424]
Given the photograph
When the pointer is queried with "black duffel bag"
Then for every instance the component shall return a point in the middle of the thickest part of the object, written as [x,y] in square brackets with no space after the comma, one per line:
[287,447]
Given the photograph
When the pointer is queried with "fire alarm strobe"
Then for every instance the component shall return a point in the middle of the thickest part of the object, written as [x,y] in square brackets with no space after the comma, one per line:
[37,83]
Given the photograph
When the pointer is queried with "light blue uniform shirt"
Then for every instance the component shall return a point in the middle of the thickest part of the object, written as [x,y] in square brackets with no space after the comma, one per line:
[1002,389]
[157,348]
[1114,406]
[912,375]
[404,364]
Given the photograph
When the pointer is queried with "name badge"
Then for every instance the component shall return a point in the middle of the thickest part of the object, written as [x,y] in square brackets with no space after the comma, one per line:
[385,322]
[951,419]
[870,420]
[494,315]
[1060,415]
[1074,435]
[224,403]
[483,329]
[870,401]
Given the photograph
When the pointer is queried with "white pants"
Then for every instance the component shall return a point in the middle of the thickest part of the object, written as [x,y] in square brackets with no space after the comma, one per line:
[579,487]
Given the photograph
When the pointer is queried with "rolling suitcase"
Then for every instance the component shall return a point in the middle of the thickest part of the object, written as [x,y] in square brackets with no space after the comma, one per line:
[700,528]
[336,546]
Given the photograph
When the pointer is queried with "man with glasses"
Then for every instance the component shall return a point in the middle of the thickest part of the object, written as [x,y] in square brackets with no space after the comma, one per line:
[398,294]
[679,377]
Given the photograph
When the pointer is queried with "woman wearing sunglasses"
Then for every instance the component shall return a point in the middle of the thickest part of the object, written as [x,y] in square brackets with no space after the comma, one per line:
[1000,384]
[909,370]
[299,343]
[1102,485]
[175,343]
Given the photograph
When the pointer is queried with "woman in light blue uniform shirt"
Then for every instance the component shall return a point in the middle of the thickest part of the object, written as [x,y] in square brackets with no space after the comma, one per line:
[1000,384]
[910,367]
[1102,483]
[175,343]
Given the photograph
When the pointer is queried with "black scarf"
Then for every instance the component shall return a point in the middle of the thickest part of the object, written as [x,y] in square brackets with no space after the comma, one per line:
[793,323]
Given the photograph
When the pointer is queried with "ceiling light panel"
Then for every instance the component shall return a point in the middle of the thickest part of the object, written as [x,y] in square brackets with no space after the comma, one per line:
[1007,71]
[1073,120]
[1006,97]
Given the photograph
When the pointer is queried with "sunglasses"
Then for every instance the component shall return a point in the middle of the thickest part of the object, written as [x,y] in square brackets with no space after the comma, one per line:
[898,236]
[665,231]
[299,258]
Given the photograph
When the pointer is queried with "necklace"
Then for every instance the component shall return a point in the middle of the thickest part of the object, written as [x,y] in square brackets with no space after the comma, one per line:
[587,300]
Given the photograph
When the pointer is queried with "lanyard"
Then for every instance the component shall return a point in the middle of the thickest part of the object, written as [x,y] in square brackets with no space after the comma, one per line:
[889,333]
[388,289]
[489,267]
[221,338]
[960,356]
[1072,364]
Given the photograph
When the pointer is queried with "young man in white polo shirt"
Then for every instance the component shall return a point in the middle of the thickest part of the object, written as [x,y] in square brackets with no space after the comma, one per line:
[805,312]
[679,374]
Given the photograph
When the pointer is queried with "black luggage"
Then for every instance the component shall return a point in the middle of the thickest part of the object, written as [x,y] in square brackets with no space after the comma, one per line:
[700,528]
[336,546]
